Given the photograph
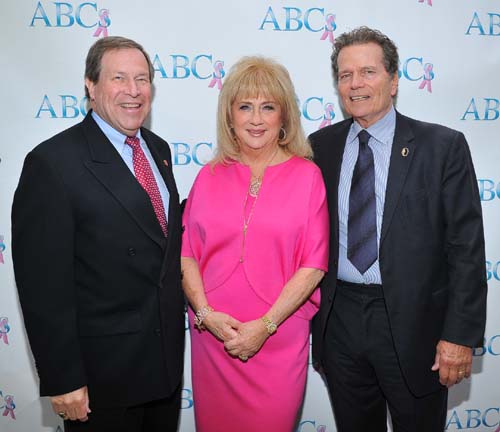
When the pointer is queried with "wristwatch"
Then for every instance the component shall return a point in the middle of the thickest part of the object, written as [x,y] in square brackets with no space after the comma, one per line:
[270,326]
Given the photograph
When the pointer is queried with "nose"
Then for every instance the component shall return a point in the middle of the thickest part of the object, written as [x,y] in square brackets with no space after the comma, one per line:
[256,117]
[357,81]
[132,88]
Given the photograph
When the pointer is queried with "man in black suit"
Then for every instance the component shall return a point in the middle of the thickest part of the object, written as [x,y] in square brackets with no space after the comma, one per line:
[96,229]
[404,299]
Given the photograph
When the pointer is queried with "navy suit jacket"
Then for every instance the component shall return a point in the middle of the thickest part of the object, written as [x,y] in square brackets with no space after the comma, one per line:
[431,250]
[98,282]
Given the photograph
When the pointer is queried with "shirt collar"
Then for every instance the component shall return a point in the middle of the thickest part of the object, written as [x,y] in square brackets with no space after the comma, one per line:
[111,133]
[382,130]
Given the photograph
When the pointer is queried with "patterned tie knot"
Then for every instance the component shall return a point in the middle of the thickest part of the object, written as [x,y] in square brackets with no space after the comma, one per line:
[133,142]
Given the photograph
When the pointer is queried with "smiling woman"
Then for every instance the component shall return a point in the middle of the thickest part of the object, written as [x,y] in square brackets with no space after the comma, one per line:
[254,248]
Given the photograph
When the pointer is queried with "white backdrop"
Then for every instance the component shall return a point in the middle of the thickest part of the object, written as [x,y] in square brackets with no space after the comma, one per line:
[43,47]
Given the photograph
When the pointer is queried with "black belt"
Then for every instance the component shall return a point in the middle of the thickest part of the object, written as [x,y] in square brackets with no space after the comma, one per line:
[371,290]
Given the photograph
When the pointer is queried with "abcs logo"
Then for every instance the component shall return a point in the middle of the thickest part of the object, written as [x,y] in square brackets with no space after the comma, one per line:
[310,426]
[429,2]
[4,329]
[473,419]
[7,405]
[292,19]
[62,106]
[317,109]
[490,346]
[187,398]
[488,26]
[482,109]
[2,249]
[201,67]
[86,15]
[488,190]
[185,154]
[493,270]
[416,69]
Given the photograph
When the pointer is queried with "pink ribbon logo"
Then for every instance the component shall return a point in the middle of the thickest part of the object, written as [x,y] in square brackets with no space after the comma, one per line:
[4,329]
[2,248]
[330,26]
[329,115]
[217,75]
[429,2]
[104,23]
[9,406]
[427,78]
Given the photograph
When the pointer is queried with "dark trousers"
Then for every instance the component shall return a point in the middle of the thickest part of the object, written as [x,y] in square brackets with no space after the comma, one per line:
[161,415]
[363,372]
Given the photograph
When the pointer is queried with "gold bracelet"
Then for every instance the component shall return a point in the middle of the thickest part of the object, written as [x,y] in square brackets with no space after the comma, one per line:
[271,326]
[201,314]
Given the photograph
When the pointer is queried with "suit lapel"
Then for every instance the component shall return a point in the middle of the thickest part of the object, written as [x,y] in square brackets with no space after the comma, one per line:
[403,149]
[163,162]
[109,168]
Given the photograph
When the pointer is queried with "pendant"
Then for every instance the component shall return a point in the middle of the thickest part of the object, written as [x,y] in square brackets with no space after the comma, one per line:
[254,188]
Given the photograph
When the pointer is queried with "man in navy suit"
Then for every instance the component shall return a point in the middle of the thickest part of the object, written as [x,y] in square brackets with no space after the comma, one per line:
[404,300]
[101,298]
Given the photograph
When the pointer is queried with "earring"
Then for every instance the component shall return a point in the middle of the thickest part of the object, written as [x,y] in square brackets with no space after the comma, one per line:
[282,138]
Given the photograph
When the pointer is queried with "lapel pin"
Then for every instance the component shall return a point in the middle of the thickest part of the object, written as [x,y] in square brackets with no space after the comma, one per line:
[405,152]
[165,162]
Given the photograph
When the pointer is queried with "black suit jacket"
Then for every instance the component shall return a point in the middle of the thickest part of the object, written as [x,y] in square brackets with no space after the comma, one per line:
[431,250]
[98,283]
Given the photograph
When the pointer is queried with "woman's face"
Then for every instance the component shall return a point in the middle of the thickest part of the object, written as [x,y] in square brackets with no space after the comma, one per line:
[256,123]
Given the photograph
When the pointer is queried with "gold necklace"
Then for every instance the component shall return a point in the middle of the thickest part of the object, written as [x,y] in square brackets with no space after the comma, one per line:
[256,181]
[253,191]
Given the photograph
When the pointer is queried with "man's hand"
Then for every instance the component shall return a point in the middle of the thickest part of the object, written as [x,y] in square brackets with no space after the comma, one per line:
[453,361]
[75,405]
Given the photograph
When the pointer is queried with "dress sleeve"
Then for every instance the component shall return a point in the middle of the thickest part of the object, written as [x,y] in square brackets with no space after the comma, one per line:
[315,252]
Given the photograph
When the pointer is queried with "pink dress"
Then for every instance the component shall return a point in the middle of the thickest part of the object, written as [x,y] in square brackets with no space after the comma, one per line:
[288,229]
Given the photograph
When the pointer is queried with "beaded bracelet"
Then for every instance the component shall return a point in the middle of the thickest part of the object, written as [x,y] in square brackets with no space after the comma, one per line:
[201,314]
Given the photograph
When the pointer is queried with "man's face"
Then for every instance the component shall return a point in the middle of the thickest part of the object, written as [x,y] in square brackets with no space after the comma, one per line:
[365,87]
[122,95]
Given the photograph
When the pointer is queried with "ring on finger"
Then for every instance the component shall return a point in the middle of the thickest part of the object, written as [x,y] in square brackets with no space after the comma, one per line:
[243,357]
[63,415]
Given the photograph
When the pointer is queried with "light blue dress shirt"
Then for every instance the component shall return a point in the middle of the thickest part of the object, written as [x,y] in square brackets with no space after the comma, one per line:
[125,151]
[382,136]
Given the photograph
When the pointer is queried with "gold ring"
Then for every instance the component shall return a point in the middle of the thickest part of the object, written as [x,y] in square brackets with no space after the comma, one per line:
[461,372]
[243,357]
[63,415]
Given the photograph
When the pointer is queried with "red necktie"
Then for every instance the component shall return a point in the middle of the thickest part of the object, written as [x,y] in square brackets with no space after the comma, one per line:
[145,177]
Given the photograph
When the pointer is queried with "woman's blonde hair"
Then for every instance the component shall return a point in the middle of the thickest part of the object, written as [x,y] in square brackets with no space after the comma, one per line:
[253,77]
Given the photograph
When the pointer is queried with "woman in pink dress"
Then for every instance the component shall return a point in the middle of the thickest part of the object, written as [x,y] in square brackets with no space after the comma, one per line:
[255,246]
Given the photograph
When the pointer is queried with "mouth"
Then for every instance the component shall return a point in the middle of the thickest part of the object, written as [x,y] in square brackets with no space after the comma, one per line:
[131,105]
[358,98]
[256,132]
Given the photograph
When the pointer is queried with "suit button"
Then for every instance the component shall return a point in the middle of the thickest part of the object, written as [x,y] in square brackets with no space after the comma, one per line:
[158,332]
[131,251]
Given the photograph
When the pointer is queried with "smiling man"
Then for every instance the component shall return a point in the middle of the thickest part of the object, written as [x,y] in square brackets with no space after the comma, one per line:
[404,300]
[102,301]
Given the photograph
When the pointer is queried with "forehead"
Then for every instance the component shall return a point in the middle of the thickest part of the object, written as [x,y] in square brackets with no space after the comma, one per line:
[360,55]
[125,58]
